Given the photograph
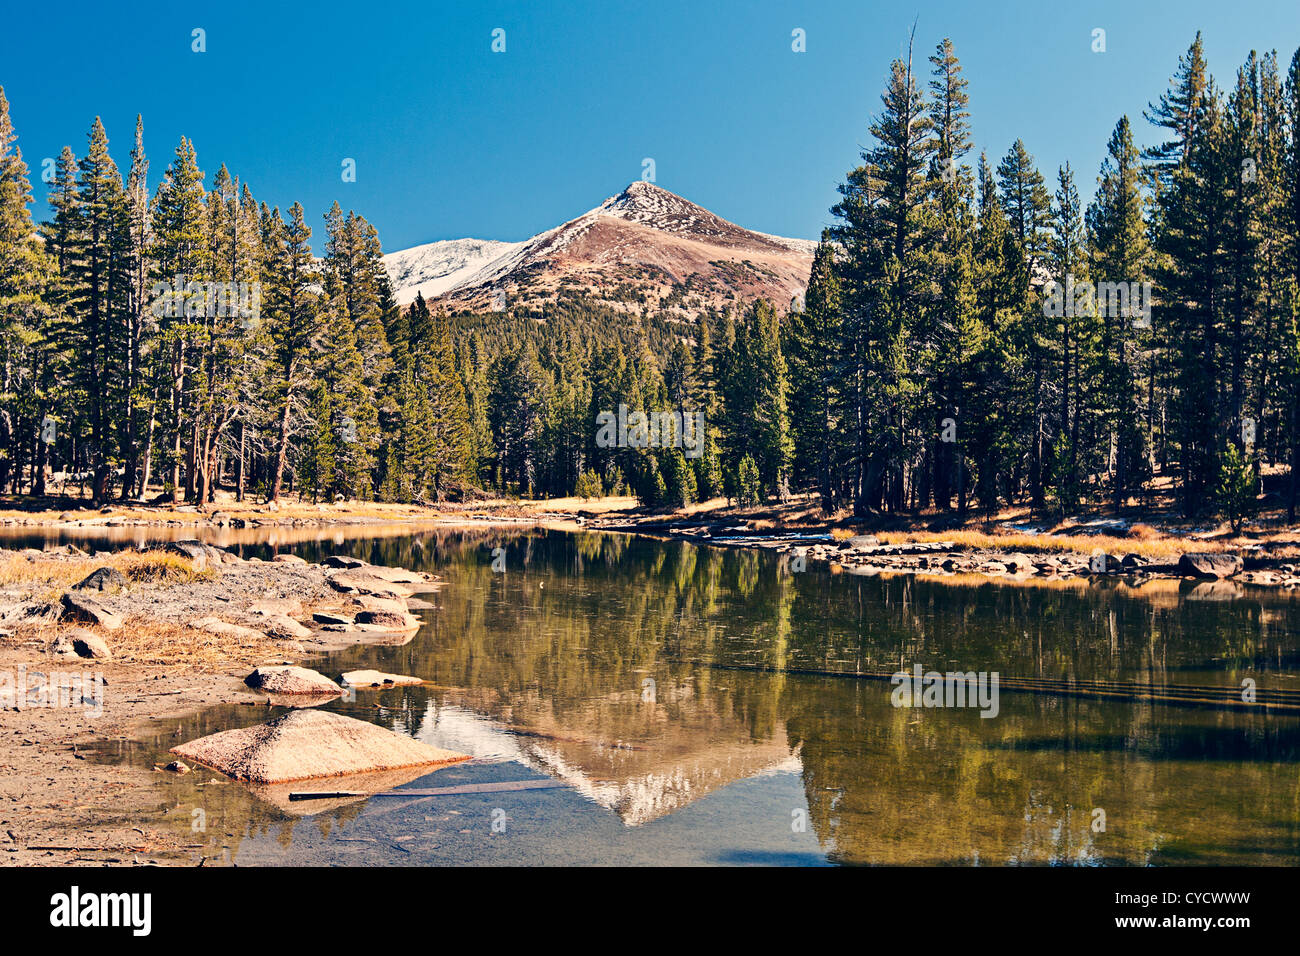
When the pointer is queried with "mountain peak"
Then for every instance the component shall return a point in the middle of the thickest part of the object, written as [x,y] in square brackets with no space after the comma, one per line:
[643,249]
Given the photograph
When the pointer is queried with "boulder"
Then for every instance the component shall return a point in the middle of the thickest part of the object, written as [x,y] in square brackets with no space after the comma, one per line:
[343,561]
[178,766]
[27,612]
[102,579]
[389,620]
[289,679]
[81,643]
[1207,565]
[288,559]
[362,582]
[331,620]
[287,607]
[201,554]
[370,678]
[278,625]
[78,607]
[87,644]
[1018,562]
[394,575]
[310,743]
[195,550]
[214,625]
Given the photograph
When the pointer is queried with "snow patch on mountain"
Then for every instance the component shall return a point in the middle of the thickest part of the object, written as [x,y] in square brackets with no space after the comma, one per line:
[437,267]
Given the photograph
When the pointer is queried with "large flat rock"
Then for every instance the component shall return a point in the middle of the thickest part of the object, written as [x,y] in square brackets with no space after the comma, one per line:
[288,679]
[361,581]
[310,743]
[1208,565]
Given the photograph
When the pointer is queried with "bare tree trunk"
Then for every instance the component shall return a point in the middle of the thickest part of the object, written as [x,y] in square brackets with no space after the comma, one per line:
[240,474]
[282,451]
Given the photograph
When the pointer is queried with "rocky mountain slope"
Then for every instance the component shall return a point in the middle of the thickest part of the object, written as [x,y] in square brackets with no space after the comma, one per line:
[645,249]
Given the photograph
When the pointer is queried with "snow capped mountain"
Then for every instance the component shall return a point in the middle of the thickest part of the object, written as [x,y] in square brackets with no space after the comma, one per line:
[645,248]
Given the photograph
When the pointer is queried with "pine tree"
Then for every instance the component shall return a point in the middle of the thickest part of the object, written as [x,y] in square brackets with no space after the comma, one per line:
[180,257]
[25,316]
[952,309]
[138,401]
[98,278]
[812,339]
[293,323]
[1120,254]
[885,220]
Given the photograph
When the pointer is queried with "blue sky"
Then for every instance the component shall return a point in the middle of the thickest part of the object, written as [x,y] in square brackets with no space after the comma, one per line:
[451,139]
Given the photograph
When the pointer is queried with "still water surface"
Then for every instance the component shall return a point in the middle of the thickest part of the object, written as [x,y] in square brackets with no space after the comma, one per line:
[667,689]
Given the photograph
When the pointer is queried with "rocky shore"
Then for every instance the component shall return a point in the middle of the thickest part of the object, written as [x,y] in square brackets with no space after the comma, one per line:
[868,554]
[95,646]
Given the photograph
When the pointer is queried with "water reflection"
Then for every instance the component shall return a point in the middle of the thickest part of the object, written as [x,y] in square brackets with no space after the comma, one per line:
[699,701]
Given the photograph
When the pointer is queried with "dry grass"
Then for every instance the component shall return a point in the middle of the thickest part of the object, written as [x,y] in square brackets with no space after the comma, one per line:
[61,572]
[581,505]
[146,640]
[1082,543]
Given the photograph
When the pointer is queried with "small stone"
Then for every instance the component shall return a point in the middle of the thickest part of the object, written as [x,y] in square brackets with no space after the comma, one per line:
[372,678]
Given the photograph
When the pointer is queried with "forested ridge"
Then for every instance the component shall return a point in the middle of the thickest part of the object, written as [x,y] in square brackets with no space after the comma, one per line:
[174,338]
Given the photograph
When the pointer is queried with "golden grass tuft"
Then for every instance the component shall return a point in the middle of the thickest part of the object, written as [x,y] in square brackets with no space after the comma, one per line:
[1082,543]
[47,572]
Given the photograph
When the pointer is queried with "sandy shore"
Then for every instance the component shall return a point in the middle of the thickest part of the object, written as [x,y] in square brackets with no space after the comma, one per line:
[183,634]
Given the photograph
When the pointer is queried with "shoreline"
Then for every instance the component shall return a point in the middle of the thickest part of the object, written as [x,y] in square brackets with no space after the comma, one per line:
[1017,558]
[179,646]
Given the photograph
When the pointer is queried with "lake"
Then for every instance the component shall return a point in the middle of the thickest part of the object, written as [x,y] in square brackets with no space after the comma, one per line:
[634,701]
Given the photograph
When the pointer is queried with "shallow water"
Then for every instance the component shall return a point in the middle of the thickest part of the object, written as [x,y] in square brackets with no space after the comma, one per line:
[702,705]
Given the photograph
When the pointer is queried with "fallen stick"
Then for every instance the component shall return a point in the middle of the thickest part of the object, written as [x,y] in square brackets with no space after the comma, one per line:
[504,786]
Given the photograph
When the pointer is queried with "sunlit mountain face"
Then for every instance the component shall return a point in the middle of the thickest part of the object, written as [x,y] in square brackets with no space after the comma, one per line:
[645,249]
